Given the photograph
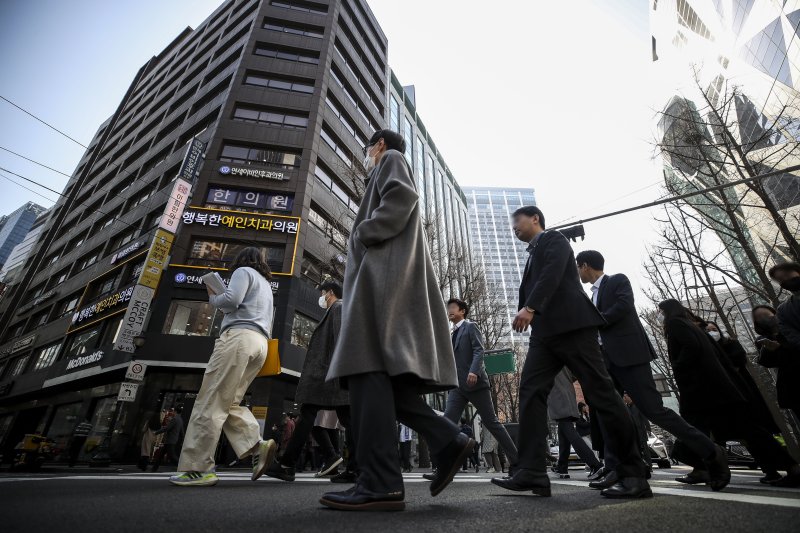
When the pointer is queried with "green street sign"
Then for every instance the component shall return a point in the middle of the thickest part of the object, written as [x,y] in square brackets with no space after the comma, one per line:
[499,362]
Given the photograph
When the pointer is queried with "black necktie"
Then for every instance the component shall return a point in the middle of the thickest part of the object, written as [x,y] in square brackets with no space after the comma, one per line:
[455,332]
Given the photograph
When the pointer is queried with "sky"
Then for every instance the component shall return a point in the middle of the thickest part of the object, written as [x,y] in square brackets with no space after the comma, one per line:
[549,95]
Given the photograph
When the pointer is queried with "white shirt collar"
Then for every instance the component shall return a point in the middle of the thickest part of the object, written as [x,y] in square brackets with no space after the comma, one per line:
[596,284]
[459,324]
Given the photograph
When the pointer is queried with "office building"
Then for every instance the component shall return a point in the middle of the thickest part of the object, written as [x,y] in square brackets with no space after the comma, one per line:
[285,94]
[501,254]
[20,253]
[14,228]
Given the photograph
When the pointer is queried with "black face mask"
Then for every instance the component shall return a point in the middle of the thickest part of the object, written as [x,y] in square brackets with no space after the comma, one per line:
[768,324]
[792,284]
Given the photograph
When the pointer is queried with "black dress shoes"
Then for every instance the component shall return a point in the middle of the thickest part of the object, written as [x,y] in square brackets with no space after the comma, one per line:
[525,480]
[430,476]
[718,472]
[599,473]
[629,487]
[609,480]
[695,477]
[359,498]
[449,462]
[345,477]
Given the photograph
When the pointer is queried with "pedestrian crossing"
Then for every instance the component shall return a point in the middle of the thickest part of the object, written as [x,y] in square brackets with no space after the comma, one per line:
[744,488]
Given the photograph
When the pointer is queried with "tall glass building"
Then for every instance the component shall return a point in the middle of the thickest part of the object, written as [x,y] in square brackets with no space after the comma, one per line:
[500,253]
[14,228]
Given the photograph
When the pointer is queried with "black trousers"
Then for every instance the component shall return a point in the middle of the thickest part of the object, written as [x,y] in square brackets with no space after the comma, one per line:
[405,455]
[377,401]
[457,400]
[305,427]
[171,451]
[568,436]
[580,352]
[637,381]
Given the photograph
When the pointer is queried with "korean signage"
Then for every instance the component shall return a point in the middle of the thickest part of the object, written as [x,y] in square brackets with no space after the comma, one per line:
[192,160]
[23,343]
[240,220]
[252,173]
[250,199]
[184,279]
[103,307]
[84,360]
[127,392]
[157,259]
[136,371]
[39,299]
[125,252]
[175,205]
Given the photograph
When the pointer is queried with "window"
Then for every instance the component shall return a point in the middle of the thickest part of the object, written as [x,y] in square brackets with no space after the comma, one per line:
[46,356]
[343,153]
[394,114]
[332,186]
[18,366]
[111,331]
[295,28]
[83,342]
[68,305]
[302,329]
[134,270]
[282,84]
[328,229]
[187,317]
[123,239]
[287,53]
[105,285]
[408,135]
[268,116]
[219,254]
[300,5]
[346,121]
[235,153]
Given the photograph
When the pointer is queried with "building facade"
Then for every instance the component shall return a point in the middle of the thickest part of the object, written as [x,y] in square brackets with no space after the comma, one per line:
[500,253]
[285,95]
[727,76]
[20,253]
[14,228]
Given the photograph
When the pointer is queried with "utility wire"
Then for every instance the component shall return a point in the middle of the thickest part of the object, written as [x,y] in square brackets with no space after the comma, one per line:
[37,193]
[43,122]
[35,162]
[32,181]
[681,196]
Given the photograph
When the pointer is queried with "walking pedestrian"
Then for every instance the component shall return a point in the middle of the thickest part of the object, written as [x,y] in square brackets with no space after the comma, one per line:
[173,432]
[787,275]
[405,438]
[489,448]
[238,356]
[79,436]
[710,399]
[562,408]
[317,395]
[627,352]
[394,344]
[152,425]
[473,382]
[584,425]
[564,326]
[775,351]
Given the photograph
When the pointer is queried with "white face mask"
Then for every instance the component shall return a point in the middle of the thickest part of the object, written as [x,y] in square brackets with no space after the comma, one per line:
[323,302]
[369,162]
[714,335]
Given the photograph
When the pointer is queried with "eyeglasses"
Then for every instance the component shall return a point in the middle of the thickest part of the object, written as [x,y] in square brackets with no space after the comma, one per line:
[367,147]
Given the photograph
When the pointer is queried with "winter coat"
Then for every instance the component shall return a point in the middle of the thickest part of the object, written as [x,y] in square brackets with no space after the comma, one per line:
[312,388]
[562,402]
[394,318]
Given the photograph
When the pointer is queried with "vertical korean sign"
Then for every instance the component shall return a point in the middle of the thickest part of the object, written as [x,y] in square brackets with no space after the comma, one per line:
[135,317]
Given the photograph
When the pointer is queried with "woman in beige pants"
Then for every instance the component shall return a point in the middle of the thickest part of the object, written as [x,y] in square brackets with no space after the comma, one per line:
[239,354]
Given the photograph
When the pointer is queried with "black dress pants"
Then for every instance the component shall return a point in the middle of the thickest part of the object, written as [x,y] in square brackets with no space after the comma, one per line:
[377,402]
[568,437]
[637,381]
[305,427]
[580,352]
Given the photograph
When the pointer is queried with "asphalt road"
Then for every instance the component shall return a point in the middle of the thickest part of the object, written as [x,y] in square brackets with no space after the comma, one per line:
[128,501]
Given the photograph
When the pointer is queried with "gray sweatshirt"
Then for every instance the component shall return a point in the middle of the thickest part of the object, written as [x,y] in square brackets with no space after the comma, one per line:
[247,302]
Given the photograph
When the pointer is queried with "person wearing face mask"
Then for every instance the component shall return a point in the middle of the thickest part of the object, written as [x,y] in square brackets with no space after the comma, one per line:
[712,400]
[776,352]
[315,394]
[394,345]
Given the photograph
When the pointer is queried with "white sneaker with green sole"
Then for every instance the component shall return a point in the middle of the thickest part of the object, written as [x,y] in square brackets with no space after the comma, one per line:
[263,457]
[194,479]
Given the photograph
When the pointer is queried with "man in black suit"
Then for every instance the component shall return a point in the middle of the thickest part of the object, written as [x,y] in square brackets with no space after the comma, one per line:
[627,352]
[473,382]
[563,332]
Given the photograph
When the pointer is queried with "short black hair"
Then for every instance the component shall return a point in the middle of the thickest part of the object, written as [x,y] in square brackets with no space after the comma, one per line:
[529,211]
[393,140]
[593,258]
[332,286]
[179,409]
[789,266]
[464,306]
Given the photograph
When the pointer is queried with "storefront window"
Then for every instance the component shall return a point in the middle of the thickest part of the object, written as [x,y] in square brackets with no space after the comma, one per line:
[302,329]
[221,254]
[46,356]
[83,342]
[65,418]
[111,331]
[187,317]
[101,420]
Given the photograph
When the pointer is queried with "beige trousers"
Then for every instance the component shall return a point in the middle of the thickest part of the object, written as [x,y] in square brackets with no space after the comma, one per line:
[238,356]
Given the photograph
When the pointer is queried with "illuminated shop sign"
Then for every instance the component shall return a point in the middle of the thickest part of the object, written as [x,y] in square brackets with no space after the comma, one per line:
[84,360]
[251,199]
[125,252]
[187,279]
[104,307]
[240,220]
[252,173]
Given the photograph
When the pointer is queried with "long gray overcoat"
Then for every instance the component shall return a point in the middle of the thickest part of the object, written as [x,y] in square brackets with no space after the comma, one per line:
[312,388]
[394,318]
[562,402]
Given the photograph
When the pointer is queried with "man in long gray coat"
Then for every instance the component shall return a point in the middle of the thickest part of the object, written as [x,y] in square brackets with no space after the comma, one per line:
[394,343]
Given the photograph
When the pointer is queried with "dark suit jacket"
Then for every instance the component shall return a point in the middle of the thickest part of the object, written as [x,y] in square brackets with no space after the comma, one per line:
[550,286]
[625,342]
[789,321]
[469,356]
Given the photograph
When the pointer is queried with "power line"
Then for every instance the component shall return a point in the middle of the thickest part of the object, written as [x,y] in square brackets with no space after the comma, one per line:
[32,181]
[37,193]
[681,196]
[35,162]
[43,122]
